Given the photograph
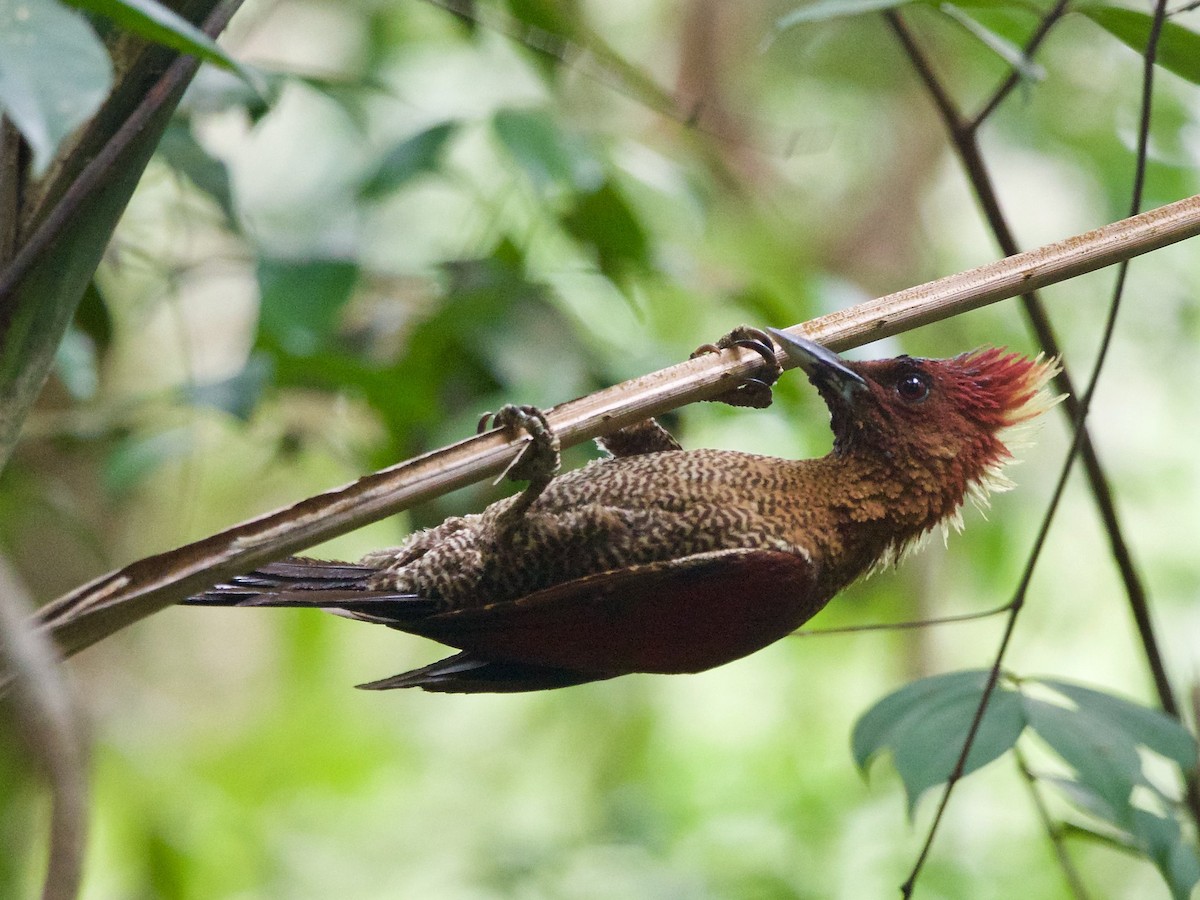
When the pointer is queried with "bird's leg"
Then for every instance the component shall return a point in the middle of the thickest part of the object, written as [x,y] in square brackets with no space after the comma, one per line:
[537,462]
[755,391]
[648,436]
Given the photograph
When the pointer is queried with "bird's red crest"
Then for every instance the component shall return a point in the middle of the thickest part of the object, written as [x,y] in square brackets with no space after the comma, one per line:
[1003,389]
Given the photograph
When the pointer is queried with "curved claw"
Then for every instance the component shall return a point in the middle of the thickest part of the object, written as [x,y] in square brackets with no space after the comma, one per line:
[767,351]
[755,390]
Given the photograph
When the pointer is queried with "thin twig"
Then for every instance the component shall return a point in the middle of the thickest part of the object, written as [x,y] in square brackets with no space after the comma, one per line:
[1032,45]
[1018,602]
[963,135]
[904,626]
[1074,881]
[1142,613]
[1039,543]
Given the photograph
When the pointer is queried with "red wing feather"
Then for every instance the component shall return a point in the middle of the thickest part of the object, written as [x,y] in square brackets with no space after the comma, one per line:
[682,615]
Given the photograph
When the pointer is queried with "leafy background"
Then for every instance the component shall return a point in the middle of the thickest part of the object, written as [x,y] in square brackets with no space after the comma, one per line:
[326,271]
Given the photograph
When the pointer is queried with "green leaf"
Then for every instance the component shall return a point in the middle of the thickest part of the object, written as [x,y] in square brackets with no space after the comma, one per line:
[1179,865]
[1032,9]
[545,154]
[832,9]
[557,23]
[1104,759]
[873,730]
[1162,841]
[924,725]
[417,155]
[301,300]
[54,73]
[76,365]
[1084,797]
[1181,869]
[132,460]
[184,153]
[1012,23]
[603,220]
[1115,840]
[239,394]
[1178,47]
[157,23]
[92,317]
[1149,727]
[928,743]
[1002,47]
[216,90]
[1158,838]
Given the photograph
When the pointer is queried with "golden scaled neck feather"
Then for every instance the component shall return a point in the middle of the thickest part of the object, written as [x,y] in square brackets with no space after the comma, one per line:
[882,506]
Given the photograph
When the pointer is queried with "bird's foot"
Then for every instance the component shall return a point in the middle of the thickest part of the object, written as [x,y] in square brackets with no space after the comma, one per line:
[755,390]
[537,462]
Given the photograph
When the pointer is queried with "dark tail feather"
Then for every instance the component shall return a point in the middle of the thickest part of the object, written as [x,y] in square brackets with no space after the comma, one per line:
[312,583]
[467,674]
[299,574]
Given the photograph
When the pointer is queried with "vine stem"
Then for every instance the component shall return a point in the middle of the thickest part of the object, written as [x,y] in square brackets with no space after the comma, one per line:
[1070,872]
[956,619]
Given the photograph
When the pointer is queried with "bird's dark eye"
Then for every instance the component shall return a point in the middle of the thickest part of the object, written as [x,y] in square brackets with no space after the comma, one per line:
[913,388]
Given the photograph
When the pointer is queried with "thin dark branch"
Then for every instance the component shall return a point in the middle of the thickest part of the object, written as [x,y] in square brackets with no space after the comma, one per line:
[967,147]
[904,626]
[1014,76]
[1074,881]
[1142,614]
[13,161]
[921,64]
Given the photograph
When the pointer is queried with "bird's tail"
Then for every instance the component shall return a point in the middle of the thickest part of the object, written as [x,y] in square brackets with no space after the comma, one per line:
[338,587]
[344,589]
[466,673]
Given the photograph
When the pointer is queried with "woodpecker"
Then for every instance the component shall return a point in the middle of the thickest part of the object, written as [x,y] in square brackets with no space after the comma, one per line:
[664,560]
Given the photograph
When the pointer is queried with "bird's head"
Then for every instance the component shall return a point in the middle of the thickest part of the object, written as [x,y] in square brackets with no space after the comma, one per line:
[951,415]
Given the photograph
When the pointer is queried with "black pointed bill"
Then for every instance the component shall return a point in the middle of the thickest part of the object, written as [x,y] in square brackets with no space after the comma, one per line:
[823,366]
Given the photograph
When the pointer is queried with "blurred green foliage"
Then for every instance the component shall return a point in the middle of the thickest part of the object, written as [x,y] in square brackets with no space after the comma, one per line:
[438,214]
[1098,735]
